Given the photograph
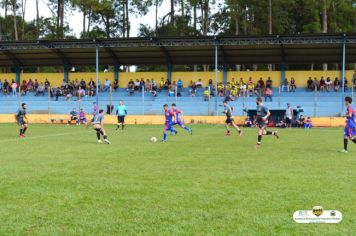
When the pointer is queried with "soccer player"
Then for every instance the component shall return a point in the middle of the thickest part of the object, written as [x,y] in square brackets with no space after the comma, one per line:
[350,127]
[178,115]
[230,119]
[82,117]
[121,112]
[22,120]
[261,121]
[73,116]
[98,125]
[168,125]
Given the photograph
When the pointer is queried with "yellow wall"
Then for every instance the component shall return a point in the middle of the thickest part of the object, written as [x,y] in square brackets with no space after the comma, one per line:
[301,77]
[7,76]
[159,120]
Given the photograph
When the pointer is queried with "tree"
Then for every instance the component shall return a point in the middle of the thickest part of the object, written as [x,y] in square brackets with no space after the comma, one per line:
[14,10]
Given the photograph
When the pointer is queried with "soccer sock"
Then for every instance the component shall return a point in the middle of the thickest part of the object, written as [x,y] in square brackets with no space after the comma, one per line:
[105,136]
[98,135]
[164,136]
[259,139]
[345,143]
[122,126]
[269,132]
[24,130]
[21,131]
[186,128]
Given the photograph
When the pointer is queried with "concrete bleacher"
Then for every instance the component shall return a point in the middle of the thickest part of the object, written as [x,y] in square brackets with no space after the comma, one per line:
[314,104]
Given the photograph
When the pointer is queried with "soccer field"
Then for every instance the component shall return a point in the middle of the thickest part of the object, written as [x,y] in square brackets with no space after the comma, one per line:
[59,181]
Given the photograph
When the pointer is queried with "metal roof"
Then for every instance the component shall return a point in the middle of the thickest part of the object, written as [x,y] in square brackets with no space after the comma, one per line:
[291,49]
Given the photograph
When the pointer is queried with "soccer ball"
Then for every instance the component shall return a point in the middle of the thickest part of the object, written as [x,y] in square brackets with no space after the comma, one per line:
[153,139]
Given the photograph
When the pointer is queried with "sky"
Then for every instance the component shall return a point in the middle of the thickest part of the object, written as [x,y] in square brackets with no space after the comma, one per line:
[77,17]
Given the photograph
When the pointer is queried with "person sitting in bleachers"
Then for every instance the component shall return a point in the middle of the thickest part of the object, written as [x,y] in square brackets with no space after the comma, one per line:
[161,84]
[23,88]
[261,83]
[91,91]
[211,88]
[40,89]
[154,85]
[192,89]
[322,84]
[346,82]
[310,84]
[199,83]
[167,84]
[91,83]
[142,84]
[115,85]
[80,93]
[221,89]
[337,84]
[5,88]
[328,84]
[106,85]
[83,84]
[250,88]
[58,93]
[14,87]
[316,84]
[285,85]
[180,84]
[292,86]
[171,91]
[268,94]
[233,92]
[148,85]
[47,84]
[206,94]
[131,87]
[35,85]
[30,85]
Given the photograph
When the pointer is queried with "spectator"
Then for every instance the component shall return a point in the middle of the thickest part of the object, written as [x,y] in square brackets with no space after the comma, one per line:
[161,84]
[211,88]
[234,92]
[289,116]
[268,94]
[308,123]
[336,84]
[269,83]
[5,87]
[35,85]
[131,87]
[328,84]
[40,89]
[106,85]
[80,93]
[47,84]
[250,87]
[58,93]
[116,85]
[316,84]
[0,85]
[23,88]
[261,84]
[73,115]
[154,85]
[83,84]
[206,94]
[248,123]
[137,85]
[240,82]
[292,86]
[301,121]
[310,84]
[171,91]
[285,85]
[192,89]
[14,88]
[199,83]
[221,89]
[322,84]
[243,90]
[91,83]
[30,85]
[345,84]
[91,91]
[180,84]
[142,84]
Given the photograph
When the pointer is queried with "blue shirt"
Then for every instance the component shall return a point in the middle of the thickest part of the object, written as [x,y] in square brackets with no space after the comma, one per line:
[97,119]
[121,110]
[169,116]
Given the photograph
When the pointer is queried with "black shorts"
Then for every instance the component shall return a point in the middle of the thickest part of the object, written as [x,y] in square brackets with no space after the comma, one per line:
[121,119]
[261,124]
[21,122]
[229,120]
[73,118]
[288,121]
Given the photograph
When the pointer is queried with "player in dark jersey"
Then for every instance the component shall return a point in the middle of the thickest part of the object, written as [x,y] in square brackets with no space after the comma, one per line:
[261,121]
[98,125]
[350,126]
[230,119]
[22,120]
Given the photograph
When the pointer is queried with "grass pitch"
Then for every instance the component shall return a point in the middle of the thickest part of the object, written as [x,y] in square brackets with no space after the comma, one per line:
[59,181]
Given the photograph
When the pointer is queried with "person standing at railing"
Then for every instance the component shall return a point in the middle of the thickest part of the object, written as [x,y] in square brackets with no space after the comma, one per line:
[336,84]
[14,88]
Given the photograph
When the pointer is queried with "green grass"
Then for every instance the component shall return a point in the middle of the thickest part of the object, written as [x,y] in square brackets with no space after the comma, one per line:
[205,184]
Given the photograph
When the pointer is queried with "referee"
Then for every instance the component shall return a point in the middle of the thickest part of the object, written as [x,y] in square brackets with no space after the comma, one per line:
[121,112]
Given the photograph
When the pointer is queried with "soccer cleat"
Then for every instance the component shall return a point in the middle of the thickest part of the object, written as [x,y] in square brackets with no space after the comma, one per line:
[107,141]
[21,136]
[191,132]
[163,140]
[344,151]
[240,133]
[99,141]
[227,133]
[275,133]
[24,135]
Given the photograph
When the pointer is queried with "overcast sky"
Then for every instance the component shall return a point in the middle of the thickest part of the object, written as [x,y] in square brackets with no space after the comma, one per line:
[76,19]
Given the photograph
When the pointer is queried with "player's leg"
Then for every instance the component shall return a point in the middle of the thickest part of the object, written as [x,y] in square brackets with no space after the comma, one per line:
[118,123]
[181,124]
[123,123]
[21,128]
[98,134]
[166,127]
[24,128]
[261,131]
[227,128]
[105,136]
[237,128]
[274,133]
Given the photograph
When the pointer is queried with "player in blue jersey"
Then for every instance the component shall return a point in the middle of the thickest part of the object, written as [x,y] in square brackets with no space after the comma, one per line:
[22,120]
[350,126]
[121,112]
[168,124]
[178,115]
[98,125]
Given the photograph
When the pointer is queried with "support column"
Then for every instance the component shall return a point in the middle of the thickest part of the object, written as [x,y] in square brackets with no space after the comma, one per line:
[116,72]
[169,72]
[66,73]
[225,74]
[343,72]
[18,74]
[283,72]
[216,78]
[97,74]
